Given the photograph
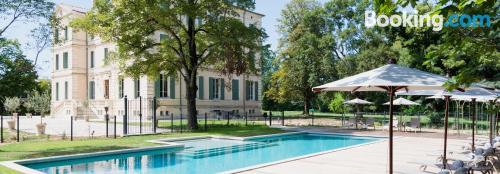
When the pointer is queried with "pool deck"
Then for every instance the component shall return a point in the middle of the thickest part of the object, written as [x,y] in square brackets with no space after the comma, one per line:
[410,153]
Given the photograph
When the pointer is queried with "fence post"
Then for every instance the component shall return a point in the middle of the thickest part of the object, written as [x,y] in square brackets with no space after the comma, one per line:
[107,125]
[125,122]
[205,121]
[270,118]
[1,128]
[140,114]
[246,119]
[17,121]
[282,118]
[172,122]
[312,118]
[155,123]
[181,123]
[114,127]
[71,136]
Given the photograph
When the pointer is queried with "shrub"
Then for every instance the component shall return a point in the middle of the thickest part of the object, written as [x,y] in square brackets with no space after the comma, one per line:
[435,119]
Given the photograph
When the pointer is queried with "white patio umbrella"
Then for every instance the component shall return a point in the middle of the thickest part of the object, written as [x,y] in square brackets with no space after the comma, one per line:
[390,78]
[356,102]
[402,101]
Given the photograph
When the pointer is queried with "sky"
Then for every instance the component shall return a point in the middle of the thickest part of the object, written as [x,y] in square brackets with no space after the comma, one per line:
[20,30]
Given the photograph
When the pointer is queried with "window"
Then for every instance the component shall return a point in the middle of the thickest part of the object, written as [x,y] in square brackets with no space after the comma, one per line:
[65,60]
[105,53]
[216,88]
[252,88]
[92,59]
[66,90]
[106,89]
[163,86]
[162,37]
[235,87]
[137,88]
[57,61]
[91,90]
[57,91]
[66,33]
[120,87]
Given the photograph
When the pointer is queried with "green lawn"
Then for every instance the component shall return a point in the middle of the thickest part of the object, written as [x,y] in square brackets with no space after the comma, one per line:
[5,170]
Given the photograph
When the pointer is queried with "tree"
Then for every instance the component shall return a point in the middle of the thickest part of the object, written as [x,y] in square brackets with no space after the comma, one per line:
[41,103]
[202,34]
[337,104]
[12,11]
[305,57]
[12,104]
[468,54]
[17,74]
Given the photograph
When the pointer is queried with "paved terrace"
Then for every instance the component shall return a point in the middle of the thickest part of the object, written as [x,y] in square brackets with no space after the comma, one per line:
[411,151]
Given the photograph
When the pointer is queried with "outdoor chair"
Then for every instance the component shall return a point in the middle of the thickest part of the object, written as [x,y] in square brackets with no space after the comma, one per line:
[351,123]
[395,124]
[414,125]
[370,122]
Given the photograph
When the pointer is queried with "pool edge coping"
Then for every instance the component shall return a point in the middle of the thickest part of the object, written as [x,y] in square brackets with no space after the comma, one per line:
[18,165]
[245,169]
[170,143]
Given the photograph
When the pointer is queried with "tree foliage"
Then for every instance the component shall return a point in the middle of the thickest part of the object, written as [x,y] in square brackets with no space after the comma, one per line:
[12,11]
[201,34]
[305,57]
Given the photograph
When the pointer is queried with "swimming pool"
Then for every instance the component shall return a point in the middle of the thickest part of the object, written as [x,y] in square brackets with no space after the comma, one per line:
[205,156]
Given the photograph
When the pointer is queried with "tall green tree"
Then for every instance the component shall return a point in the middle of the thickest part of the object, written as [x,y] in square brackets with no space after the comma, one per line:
[17,74]
[468,54]
[305,55]
[198,34]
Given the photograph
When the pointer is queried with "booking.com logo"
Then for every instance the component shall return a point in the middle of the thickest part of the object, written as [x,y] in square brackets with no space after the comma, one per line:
[435,21]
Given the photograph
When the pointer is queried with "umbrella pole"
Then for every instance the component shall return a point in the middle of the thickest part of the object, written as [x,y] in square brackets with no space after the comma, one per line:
[447,100]
[391,112]
[473,121]
[491,123]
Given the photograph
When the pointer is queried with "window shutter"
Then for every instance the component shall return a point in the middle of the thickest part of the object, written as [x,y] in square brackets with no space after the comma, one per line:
[201,88]
[210,88]
[157,87]
[172,87]
[92,59]
[66,90]
[65,60]
[57,61]
[222,89]
[256,94]
[235,86]
[247,90]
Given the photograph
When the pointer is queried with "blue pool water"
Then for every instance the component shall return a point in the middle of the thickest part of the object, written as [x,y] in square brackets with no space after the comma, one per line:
[204,156]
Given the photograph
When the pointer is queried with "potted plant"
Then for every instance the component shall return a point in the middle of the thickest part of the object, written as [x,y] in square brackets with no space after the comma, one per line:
[11,105]
[42,106]
[29,104]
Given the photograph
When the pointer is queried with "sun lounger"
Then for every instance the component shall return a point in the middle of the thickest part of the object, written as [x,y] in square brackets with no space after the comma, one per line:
[370,122]
[414,125]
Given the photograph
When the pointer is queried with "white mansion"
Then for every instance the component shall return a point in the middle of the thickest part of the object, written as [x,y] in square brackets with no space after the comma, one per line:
[82,85]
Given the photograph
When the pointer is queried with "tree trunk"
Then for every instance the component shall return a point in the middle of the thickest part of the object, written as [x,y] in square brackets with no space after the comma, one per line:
[191,89]
[307,105]
[191,73]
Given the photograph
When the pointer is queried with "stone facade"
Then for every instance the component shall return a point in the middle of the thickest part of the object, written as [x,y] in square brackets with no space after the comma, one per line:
[83,85]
